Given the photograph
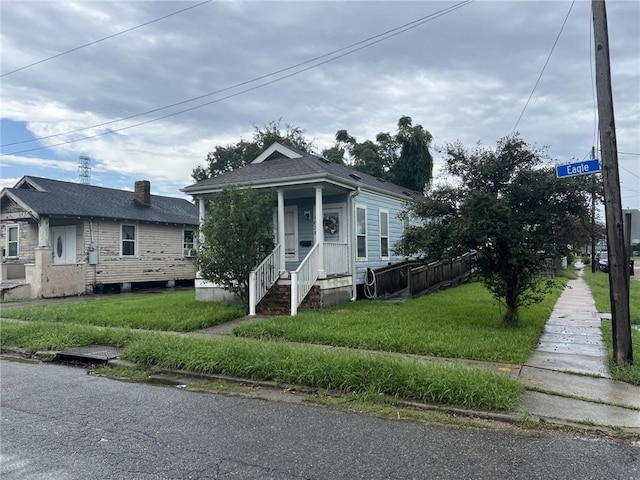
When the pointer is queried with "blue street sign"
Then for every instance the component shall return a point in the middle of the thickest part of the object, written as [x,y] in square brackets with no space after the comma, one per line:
[579,168]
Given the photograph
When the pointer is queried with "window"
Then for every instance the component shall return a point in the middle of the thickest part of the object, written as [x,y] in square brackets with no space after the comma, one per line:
[361,232]
[128,240]
[188,243]
[384,234]
[12,241]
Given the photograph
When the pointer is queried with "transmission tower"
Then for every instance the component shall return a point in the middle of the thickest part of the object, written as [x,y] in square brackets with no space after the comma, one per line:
[84,170]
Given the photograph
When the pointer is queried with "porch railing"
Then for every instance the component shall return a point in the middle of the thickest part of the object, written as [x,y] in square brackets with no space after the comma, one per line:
[263,277]
[303,278]
[436,274]
[336,258]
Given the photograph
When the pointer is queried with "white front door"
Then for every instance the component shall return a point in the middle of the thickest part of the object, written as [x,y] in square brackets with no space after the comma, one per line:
[63,241]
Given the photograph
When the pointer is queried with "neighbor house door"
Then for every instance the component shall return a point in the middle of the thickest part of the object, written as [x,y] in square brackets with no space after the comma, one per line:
[334,224]
[63,241]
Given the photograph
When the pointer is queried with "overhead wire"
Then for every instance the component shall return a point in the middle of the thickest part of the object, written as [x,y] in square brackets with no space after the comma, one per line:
[104,38]
[379,38]
[543,68]
[415,23]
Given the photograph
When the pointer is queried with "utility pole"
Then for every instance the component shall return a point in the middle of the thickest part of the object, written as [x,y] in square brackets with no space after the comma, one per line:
[618,256]
[594,179]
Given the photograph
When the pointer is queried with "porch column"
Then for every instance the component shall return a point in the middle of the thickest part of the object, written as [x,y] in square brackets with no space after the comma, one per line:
[281,239]
[44,236]
[202,203]
[320,232]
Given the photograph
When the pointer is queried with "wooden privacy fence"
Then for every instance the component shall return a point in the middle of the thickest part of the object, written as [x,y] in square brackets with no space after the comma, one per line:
[435,275]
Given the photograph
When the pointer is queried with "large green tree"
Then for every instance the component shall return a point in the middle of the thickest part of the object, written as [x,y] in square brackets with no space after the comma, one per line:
[226,158]
[403,158]
[509,207]
[236,238]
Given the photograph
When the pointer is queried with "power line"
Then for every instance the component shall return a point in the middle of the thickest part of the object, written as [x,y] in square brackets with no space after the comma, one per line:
[103,39]
[544,67]
[628,153]
[416,23]
[380,37]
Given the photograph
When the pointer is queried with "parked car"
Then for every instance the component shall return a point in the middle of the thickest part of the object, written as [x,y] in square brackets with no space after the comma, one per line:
[603,261]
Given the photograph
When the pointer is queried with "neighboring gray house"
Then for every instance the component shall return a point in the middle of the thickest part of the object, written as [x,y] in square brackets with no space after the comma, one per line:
[331,223]
[63,238]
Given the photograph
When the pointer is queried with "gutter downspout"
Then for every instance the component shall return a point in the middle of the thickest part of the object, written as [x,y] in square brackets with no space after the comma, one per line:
[354,289]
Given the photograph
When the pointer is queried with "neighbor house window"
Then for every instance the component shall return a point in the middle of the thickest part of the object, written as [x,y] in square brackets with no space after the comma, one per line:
[128,240]
[12,241]
[384,234]
[361,232]
[188,242]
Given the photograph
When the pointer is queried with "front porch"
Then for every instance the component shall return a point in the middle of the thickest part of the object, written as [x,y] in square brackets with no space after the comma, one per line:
[323,278]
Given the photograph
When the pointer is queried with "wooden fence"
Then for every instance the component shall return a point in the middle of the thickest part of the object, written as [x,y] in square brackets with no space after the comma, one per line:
[435,275]
[389,279]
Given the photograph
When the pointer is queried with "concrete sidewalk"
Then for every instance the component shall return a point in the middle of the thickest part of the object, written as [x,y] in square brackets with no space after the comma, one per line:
[569,369]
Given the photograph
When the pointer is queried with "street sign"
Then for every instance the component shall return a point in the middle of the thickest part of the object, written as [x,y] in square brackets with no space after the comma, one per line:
[579,168]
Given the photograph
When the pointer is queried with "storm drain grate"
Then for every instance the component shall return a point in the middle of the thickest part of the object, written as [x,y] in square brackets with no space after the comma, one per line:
[90,354]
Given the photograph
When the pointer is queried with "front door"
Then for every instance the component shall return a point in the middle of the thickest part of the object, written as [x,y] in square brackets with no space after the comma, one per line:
[63,241]
[333,224]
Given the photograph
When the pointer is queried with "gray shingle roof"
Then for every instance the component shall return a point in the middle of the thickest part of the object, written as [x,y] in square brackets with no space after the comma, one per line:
[73,199]
[308,166]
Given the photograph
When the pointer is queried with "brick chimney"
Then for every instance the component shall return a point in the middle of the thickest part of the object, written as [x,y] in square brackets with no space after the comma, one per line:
[142,195]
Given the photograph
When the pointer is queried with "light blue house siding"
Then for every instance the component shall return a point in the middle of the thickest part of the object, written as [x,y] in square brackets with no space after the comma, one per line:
[374,204]
[305,215]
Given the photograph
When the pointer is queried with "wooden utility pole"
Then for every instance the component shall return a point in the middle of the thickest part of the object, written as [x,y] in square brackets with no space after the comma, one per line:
[594,179]
[618,256]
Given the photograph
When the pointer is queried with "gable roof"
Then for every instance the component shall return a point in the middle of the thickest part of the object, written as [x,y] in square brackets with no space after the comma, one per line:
[47,197]
[281,165]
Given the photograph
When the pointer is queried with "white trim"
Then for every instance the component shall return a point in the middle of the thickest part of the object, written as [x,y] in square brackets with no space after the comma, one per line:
[17,241]
[380,236]
[135,240]
[276,147]
[366,233]
[189,252]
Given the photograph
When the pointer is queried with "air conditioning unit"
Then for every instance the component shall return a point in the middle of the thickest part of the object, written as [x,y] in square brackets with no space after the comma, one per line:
[189,252]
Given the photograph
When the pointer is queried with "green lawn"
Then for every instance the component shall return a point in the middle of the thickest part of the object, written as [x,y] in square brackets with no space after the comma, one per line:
[176,311]
[599,285]
[462,322]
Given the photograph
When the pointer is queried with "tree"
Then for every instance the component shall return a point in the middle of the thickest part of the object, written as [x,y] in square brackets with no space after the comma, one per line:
[403,158]
[236,238]
[509,208]
[224,159]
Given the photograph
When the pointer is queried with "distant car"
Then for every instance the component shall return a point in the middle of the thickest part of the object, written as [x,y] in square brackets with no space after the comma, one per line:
[603,261]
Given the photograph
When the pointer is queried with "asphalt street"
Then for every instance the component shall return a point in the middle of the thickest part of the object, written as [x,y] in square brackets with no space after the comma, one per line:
[58,422]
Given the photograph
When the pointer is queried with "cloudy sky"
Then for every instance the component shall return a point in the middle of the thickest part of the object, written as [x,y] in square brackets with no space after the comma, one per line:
[464,74]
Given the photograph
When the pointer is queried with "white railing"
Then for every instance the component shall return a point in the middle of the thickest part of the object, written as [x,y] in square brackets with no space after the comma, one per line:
[303,278]
[263,277]
[336,258]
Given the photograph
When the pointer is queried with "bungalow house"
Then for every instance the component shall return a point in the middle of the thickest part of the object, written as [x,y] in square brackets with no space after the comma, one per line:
[331,223]
[62,238]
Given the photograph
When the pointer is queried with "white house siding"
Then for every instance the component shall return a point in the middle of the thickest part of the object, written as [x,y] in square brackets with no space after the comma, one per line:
[374,203]
[159,254]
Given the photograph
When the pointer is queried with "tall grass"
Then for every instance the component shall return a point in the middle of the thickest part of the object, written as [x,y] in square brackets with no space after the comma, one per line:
[461,322]
[624,373]
[177,311]
[348,371]
[36,336]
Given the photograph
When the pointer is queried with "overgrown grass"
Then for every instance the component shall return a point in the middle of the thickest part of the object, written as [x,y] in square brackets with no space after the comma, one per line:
[624,373]
[353,372]
[177,311]
[36,336]
[599,285]
[348,371]
[462,322]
